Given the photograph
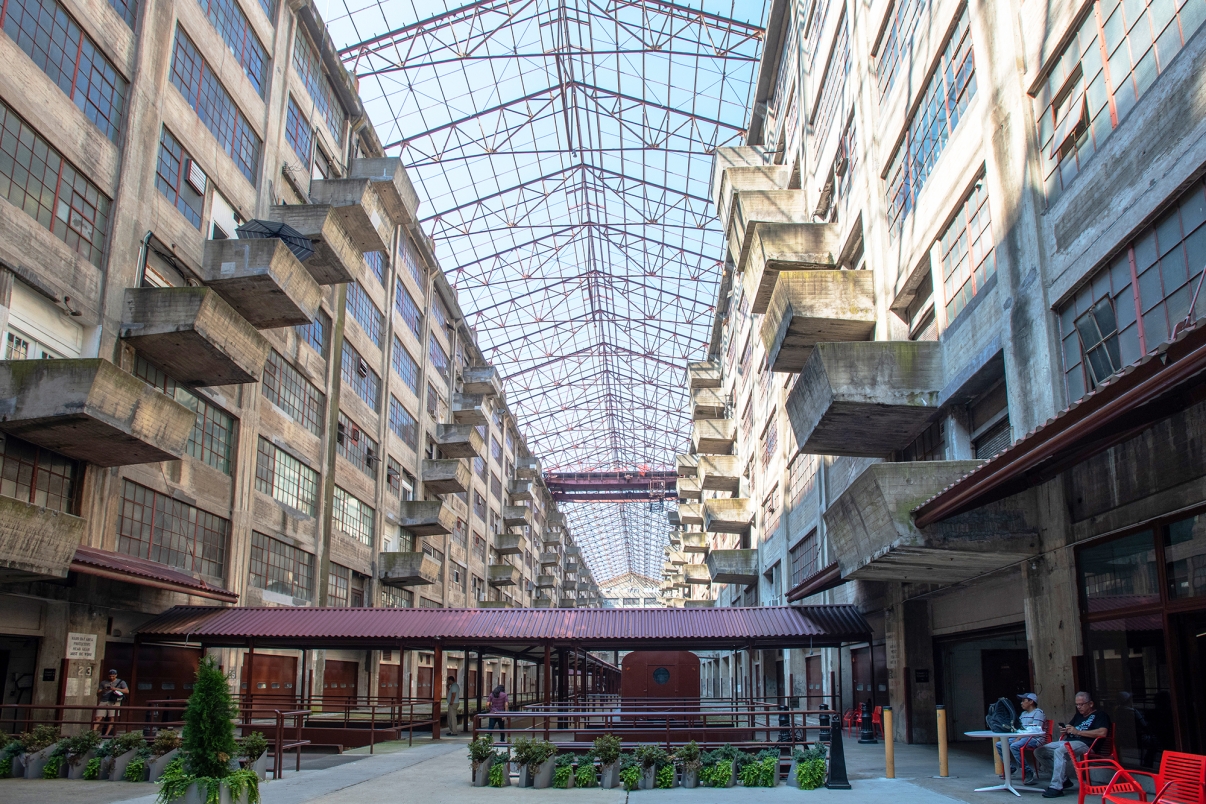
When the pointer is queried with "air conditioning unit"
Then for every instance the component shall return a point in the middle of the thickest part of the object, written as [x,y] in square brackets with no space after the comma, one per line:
[195,176]
[362,368]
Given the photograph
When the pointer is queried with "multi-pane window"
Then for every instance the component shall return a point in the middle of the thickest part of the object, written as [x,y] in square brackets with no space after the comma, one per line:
[439,357]
[298,132]
[393,476]
[968,258]
[127,10]
[479,467]
[49,36]
[829,101]
[212,438]
[496,451]
[414,264]
[405,366]
[817,13]
[772,511]
[929,446]
[495,486]
[770,439]
[943,101]
[479,546]
[403,423]
[35,177]
[339,584]
[405,304]
[171,177]
[353,517]
[37,476]
[439,312]
[281,568]
[1104,70]
[213,104]
[375,262]
[898,43]
[285,478]
[1105,326]
[801,477]
[479,505]
[510,439]
[285,387]
[316,333]
[845,161]
[803,559]
[365,312]
[309,69]
[161,528]
[357,447]
[435,403]
[360,377]
[269,7]
[237,32]
[392,598]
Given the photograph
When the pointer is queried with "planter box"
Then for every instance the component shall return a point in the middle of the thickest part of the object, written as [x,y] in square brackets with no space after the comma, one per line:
[117,771]
[610,777]
[480,774]
[690,779]
[260,766]
[75,770]
[195,795]
[539,779]
[34,763]
[18,769]
[648,779]
[159,764]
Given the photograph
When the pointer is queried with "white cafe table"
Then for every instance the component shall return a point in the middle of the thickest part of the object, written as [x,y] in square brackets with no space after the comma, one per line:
[1002,738]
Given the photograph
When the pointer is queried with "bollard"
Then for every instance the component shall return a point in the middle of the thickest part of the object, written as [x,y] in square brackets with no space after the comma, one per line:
[889,746]
[824,736]
[866,735]
[838,780]
[944,768]
[996,758]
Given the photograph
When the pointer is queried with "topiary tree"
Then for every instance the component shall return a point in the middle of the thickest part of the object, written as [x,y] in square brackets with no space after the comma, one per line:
[209,741]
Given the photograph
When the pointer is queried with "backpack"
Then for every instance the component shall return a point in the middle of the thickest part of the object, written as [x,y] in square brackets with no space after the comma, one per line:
[1002,717]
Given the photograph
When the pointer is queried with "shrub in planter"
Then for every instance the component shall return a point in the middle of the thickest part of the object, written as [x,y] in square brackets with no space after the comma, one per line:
[498,774]
[10,757]
[630,777]
[763,772]
[253,752]
[163,750]
[80,750]
[41,737]
[535,758]
[688,760]
[810,767]
[563,771]
[717,774]
[125,749]
[168,740]
[586,776]
[665,778]
[481,759]
[607,749]
[136,770]
[92,769]
[54,766]
[652,758]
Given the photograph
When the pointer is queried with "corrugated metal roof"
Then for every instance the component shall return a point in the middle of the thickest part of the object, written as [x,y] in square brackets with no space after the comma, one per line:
[703,627]
[122,567]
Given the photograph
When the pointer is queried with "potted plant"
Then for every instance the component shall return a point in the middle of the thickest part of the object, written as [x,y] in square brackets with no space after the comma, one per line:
[809,767]
[10,758]
[563,772]
[81,749]
[499,774]
[652,758]
[481,760]
[56,763]
[123,751]
[38,745]
[687,757]
[607,749]
[630,772]
[587,775]
[763,771]
[535,758]
[253,753]
[164,749]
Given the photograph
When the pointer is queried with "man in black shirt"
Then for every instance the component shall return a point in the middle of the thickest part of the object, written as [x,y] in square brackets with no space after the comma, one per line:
[1088,724]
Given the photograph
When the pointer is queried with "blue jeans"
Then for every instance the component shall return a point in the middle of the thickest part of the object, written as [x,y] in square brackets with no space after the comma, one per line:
[1015,748]
[497,723]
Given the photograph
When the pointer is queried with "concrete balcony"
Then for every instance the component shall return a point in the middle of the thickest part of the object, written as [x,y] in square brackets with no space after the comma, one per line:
[567,603]
[811,307]
[542,603]
[546,581]
[550,558]
[90,410]
[394,189]
[733,566]
[571,567]
[36,543]
[743,169]
[689,489]
[427,517]
[359,208]
[262,281]
[573,550]
[445,476]
[193,335]
[556,519]
[734,515]
[695,542]
[509,544]
[407,569]
[503,575]
[516,516]
[708,403]
[527,468]
[753,207]
[460,441]
[720,473]
[469,409]
[481,381]
[550,538]
[696,575]
[690,514]
[495,604]
[569,586]
[686,463]
[336,258]
[704,374]
[776,247]
[676,558]
[865,399]
[874,538]
[698,604]
[713,436]
[520,490]
[672,516]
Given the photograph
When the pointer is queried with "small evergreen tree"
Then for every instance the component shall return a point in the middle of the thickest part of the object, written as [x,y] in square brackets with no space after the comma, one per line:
[209,741]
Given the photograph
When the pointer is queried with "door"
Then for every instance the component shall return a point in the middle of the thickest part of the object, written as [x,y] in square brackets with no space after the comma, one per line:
[339,683]
[387,681]
[1006,674]
[423,678]
[271,681]
[812,681]
[165,673]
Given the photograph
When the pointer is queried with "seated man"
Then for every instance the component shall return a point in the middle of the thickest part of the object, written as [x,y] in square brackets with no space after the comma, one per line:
[1085,727]
[1032,718]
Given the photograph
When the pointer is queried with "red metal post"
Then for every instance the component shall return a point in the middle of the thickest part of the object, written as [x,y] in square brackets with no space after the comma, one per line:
[437,688]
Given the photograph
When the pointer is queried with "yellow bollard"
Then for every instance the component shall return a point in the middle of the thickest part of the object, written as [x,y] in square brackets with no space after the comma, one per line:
[889,746]
[944,768]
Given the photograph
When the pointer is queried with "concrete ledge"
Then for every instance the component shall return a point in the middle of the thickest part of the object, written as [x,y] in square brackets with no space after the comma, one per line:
[696,575]
[359,209]
[36,542]
[528,468]
[703,374]
[760,206]
[407,569]
[394,189]
[427,517]
[686,464]
[516,516]
[734,515]
[811,307]
[336,258]
[689,489]
[460,441]
[481,381]
[690,514]
[449,476]
[502,575]
[520,490]
[713,436]
[469,409]
[775,248]
[508,544]
[262,281]
[708,403]
[720,473]
[733,566]
[741,168]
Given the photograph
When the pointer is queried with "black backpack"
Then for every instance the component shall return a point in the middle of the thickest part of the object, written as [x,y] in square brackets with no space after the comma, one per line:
[1002,717]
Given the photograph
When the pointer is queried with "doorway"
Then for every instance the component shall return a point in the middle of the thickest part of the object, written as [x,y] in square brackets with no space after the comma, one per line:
[271,679]
[339,682]
[976,668]
[1005,673]
[1190,630]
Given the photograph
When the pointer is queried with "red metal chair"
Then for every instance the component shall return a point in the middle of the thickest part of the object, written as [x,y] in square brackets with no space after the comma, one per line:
[877,721]
[1102,756]
[1181,780]
[1104,747]
[1031,747]
[849,721]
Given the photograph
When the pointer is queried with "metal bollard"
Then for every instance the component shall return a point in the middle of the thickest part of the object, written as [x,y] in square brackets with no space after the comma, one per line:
[889,745]
[866,735]
[824,735]
[944,768]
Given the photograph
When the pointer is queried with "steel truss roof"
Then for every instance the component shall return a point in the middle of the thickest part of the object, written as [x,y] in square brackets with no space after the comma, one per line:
[563,150]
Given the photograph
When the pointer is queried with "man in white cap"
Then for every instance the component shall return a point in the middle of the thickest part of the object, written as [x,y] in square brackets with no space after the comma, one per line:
[1034,721]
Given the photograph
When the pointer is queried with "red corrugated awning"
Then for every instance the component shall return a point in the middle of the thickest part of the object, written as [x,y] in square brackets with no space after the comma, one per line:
[140,571]
[514,629]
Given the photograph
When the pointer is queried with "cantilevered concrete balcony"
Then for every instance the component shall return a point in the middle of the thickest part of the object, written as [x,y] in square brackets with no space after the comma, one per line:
[874,537]
[542,603]
[551,538]
[193,335]
[676,558]
[262,281]
[527,467]
[695,541]
[573,550]
[571,567]
[685,464]
[690,514]
[36,543]
[708,403]
[546,581]
[733,566]
[359,209]
[427,517]
[509,544]
[774,248]
[742,169]
[865,399]
[720,473]
[460,441]
[502,574]
[394,189]
[407,569]
[754,207]
[90,410]
[713,436]
[811,307]
[567,603]
[569,585]
[696,575]
[704,374]
[734,515]
[482,381]
[698,604]
[516,516]
[520,490]
[556,519]
[495,604]
[469,409]
[336,258]
[449,476]
[689,489]
[550,558]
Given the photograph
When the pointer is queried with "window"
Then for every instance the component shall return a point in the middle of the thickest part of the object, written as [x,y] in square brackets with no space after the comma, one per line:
[405,366]
[770,439]
[285,387]
[1104,70]
[929,446]
[803,559]
[171,178]
[968,258]
[435,403]
[802,477]
[316,332]
[269,7]
[309,69]
[479,505]
[439,357]
[495,486]
[37,476]
[212,438]
[1098,331]
[830,98]
[339,584]
[457,574]
[376,263]
[405,304]
[428,603]
[281,568]
[403,423]
[127,10]
[439,312]
[392,598]
[35,177]
[815,24]
[771,513]
[478,588]
[285,478]
[353,517]
[298,132]
[898,43]
[946,95]
[357,447]
[236,31]
[414,263]
[479,467]
[366,313]
[49,36]
[360,377]
[496,451]
[160,528]
[393,476]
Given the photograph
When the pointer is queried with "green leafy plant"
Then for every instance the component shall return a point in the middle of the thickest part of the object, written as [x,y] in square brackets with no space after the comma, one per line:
[665,778]
[607,749]
[12,749]
[717,774]
[176,780]
[687,756]
[651,756]
[564,761]
[587,775]
[53,766]
[810,767]
[253,746]
[130,741]
[727,753]
[763,772]
[496,774]
[92,769]
[481,750]
[561,776]
[630,777]
[208,732]
[533,753]
[136,771]
[79,745]
[40,737]
[168,740]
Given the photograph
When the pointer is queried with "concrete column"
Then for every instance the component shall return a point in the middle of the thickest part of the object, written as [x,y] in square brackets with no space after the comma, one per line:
[1052,604]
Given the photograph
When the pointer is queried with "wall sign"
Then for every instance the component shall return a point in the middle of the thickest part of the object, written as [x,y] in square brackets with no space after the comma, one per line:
[81,646]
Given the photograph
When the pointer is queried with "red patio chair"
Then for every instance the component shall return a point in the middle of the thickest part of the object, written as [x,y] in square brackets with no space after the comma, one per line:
[849,719]
[1104,747]
[1031,747]
[1181,780]
[877,720]
[1087,786]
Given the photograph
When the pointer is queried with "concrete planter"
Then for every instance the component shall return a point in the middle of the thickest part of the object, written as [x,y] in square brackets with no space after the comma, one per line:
[35,762]
[77,765]
[117,771]
[481,774]
[648,779]
[18,769]
[540,778]
[260,766]
[195,795]
[157,765]
[690,778]
[610,777]
[792,781]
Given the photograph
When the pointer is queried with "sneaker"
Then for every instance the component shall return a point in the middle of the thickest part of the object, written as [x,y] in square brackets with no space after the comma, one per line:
[1053,792]
[1031,778]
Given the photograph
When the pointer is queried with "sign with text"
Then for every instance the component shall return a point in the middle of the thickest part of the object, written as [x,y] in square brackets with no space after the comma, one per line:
[81,646]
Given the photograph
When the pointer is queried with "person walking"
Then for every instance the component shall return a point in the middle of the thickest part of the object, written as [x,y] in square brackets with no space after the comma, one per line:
[498,704]
[454,699]
[111,693]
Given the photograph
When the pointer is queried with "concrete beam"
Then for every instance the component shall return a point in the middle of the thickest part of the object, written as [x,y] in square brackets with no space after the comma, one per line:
[760,206]
[359,208]
[708,403]
[460,441]
[775,248]
[720,473]
[811,307]
[733,566]
[703,374]
[262,281]
[36,543]
[449,476]
[393,186]
[427,517]
[714,436]
[336,258]
[407,569]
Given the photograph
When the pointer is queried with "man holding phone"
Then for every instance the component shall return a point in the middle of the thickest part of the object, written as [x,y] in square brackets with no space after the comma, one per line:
[1088,724]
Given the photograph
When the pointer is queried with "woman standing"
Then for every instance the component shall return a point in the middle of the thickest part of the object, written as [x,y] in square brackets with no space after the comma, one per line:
[498,703]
